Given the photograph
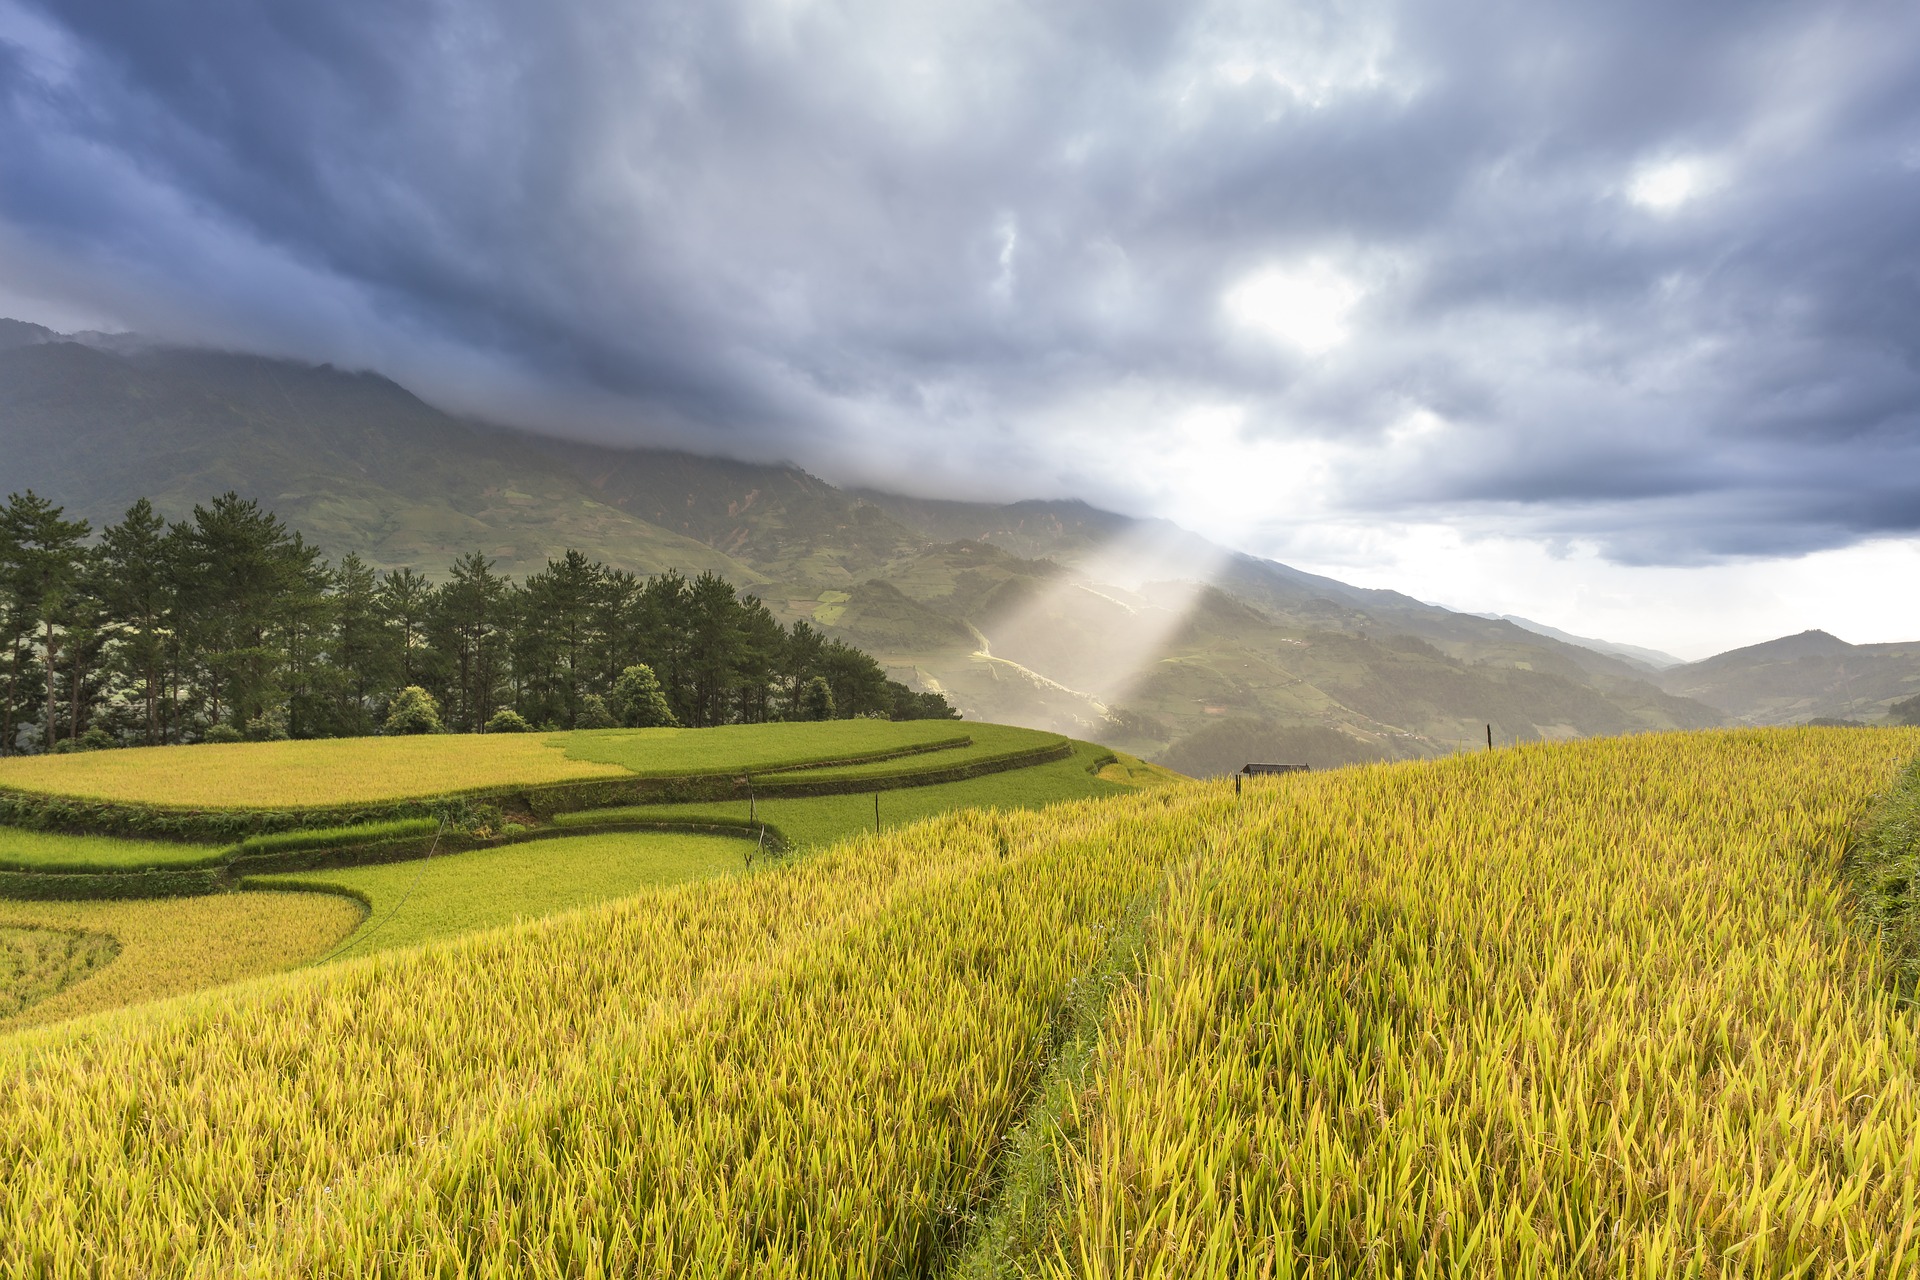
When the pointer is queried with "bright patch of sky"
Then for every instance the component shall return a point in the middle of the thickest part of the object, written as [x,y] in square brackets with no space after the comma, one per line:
[1665,186]
[1308,307]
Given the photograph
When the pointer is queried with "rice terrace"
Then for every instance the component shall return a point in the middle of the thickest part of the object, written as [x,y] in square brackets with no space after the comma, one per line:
[1041,641]
[577,1004]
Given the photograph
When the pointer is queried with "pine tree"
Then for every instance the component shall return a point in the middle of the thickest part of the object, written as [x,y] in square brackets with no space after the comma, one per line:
[44,564]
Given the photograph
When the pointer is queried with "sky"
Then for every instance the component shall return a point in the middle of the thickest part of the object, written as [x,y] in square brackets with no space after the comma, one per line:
[1604,314]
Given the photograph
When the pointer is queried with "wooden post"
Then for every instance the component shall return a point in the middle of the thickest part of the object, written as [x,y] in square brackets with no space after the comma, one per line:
[876,813]
[1236,784]
[1489,737]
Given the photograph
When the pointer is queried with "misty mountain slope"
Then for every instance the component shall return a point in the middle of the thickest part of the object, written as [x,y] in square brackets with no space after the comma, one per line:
[1650,659]
[353,460]
[1054,614]
[791,525]
[1801,677]
[1064,529]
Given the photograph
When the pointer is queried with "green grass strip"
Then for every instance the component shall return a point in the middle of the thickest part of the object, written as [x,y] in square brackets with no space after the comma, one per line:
[24,850]
[1007,1236]
[814,821]
[990,743]
[759,748]
[340,837]
[1882,867]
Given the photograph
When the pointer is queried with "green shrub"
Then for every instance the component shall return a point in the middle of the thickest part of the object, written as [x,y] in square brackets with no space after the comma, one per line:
[270,726]
[413,710]
[222,733]
[507,720]
[1906,711]
[94,739]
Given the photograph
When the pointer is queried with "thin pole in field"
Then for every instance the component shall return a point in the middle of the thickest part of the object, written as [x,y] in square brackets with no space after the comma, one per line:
[876,813]
[1489,737]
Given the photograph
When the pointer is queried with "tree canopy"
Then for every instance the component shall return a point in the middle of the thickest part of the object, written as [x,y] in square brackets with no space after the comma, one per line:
[229,624]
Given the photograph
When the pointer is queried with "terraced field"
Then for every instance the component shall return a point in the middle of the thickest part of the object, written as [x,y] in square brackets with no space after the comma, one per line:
[1598,1008]
[405,880]
[809,822]
[171,947]
[345,771]
[427,899]
[329,771]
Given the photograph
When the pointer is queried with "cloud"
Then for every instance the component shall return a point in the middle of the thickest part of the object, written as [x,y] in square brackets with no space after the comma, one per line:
[1638,276]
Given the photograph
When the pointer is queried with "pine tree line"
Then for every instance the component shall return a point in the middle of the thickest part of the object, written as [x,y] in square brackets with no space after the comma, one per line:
[230,625]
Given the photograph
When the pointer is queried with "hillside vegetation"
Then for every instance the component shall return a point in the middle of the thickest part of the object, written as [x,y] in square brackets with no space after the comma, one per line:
[1804,677]
[1051,614]
[1587,1008]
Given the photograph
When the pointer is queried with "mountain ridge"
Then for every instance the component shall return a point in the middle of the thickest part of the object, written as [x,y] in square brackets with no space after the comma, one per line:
[1052,613]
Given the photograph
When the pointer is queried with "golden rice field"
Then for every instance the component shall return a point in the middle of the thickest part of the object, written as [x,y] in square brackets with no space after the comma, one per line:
[324,771]
[1585,1009]
[348,771]
[35,963]
[168,947]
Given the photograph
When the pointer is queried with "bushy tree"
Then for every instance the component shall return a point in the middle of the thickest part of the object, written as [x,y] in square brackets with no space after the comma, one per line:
[593,713]
[1906,711]
[816,700]
[507,720]
[912,704]
[413,710]
[638,700]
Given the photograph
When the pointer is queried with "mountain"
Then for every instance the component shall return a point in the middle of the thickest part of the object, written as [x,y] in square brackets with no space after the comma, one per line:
[1802,677]
[18,333]
[1651,659]
[1048,613]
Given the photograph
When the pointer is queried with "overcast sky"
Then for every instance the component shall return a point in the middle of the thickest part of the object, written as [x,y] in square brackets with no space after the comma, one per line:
[1603,313]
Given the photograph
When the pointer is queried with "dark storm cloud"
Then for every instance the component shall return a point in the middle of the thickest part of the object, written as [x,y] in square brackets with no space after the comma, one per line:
[884,236]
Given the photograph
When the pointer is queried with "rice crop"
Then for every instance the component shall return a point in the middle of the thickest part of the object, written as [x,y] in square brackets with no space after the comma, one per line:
[340,837]
[419,901]
[173,946]
[1599,1008]
[348,771]
[22,850]
[989,743]
[36,963]
[749,748]
[815,821]
[330,771]
[806,1072]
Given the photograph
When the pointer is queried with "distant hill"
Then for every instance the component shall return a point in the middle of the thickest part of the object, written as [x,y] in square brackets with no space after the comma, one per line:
[1799,678]
[1053,614]
[1651,659]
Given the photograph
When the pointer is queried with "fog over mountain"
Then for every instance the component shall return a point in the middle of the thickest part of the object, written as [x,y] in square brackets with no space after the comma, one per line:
[1602,314]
